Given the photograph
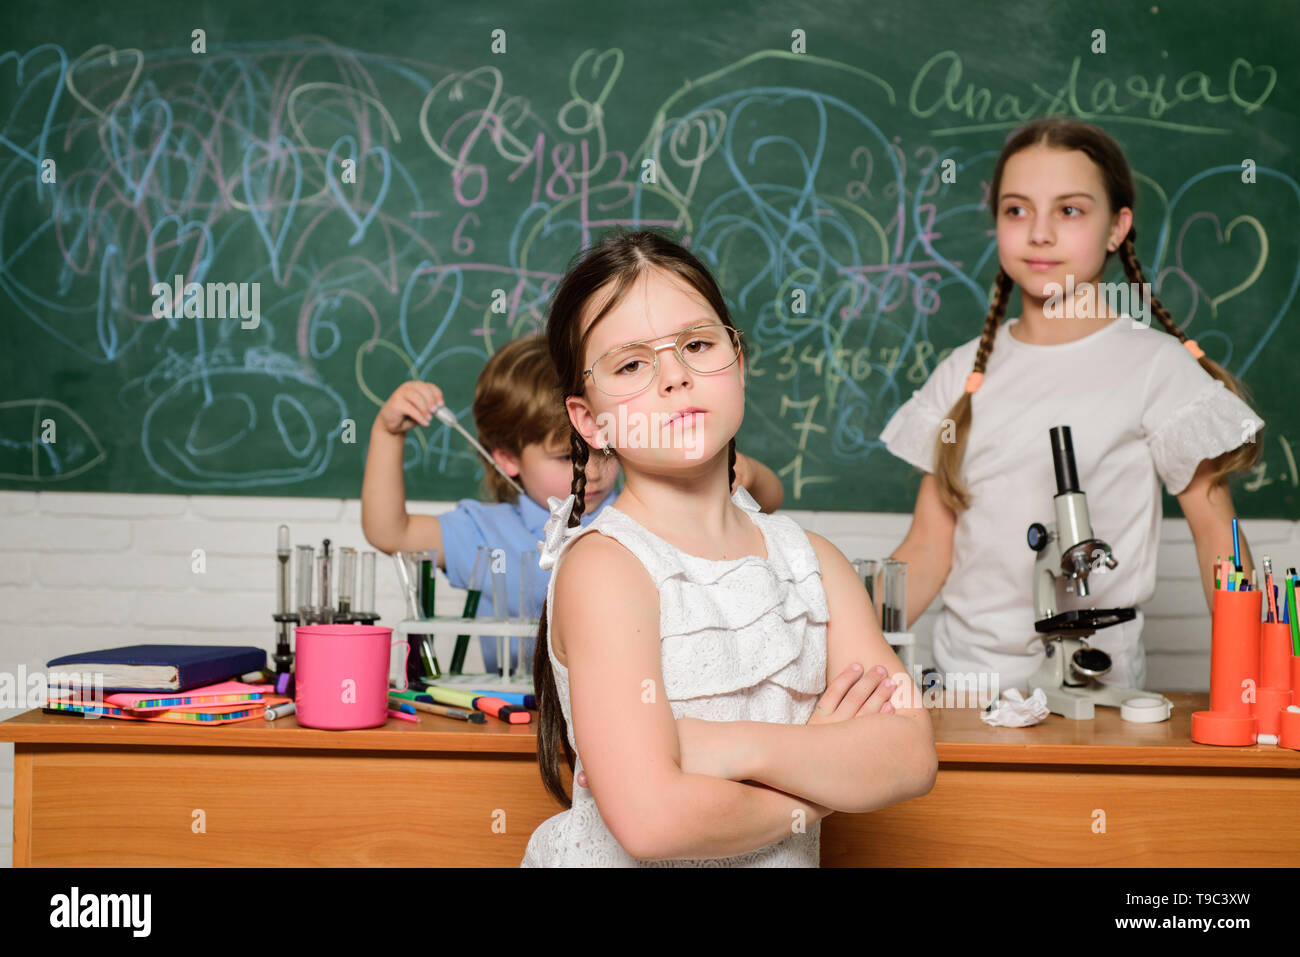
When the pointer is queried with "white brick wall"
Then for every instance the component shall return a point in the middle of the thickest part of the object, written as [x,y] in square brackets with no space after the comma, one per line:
[98,570]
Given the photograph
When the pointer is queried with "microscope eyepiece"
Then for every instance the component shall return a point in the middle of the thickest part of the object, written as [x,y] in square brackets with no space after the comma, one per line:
[1067,476]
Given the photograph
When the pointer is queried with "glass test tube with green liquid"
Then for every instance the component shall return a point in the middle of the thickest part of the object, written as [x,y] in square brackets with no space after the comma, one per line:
[482,559]
[421,662]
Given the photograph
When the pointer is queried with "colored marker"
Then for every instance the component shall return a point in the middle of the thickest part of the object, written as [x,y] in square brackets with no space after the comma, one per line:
[403,715]
[519,698]
[489,705]
[1269,595]
[280,710]
[1290,610]
[1236,545]
[423,702]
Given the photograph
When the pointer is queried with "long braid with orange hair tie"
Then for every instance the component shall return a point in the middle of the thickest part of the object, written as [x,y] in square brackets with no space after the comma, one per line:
[1133,270]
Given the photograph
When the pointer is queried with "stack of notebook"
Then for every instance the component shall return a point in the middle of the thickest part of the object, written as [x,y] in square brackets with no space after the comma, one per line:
[176,684]
[223,703]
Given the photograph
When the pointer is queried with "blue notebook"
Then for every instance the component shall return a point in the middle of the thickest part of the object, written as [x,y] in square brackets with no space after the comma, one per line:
[158,667]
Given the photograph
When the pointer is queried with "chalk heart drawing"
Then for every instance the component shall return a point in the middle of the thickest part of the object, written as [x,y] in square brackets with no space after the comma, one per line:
[1235,78]
[420,299]
[259,177]
[126,63]
[333,163]
[32,82]
[1250,232]
[137,136]
[190,251]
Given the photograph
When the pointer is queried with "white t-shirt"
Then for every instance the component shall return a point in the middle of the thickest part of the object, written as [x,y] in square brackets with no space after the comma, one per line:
[1140,409]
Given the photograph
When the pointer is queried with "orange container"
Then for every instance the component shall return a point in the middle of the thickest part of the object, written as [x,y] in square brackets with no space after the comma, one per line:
[1275,655]
[1235,639]
[1295,677]
[1234,651]
[1269,705]
[1290,733]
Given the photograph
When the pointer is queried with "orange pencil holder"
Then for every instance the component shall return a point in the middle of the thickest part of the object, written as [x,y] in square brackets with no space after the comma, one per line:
[1234,671]
[1289,721]
[1274,693]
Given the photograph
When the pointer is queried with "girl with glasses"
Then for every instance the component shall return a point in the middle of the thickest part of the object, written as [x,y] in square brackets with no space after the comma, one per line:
[708,672]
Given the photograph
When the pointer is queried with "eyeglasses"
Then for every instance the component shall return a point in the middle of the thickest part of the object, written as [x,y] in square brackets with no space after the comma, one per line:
[626,370]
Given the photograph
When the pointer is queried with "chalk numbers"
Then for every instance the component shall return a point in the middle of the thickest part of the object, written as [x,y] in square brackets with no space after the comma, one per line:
[856,364]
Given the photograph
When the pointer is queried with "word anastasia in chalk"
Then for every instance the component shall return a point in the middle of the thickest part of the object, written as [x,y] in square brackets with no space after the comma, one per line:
[103,910]
[209,300]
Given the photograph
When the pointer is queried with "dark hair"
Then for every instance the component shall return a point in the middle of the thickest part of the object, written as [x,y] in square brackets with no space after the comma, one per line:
[618,258]
[1067,134]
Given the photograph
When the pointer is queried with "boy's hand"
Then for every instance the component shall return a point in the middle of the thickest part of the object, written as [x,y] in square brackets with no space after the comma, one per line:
[410,404]
[854,693]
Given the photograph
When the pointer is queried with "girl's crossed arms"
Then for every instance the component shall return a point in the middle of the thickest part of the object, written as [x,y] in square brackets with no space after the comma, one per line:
[688,788]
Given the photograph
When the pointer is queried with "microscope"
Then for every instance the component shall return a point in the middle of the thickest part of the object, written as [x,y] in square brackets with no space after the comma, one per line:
[1068,549]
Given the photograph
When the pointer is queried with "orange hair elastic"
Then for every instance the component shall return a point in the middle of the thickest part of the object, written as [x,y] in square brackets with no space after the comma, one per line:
[1193,348]
[974,381]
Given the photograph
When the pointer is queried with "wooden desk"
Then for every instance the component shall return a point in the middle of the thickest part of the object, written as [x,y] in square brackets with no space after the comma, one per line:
[121,793]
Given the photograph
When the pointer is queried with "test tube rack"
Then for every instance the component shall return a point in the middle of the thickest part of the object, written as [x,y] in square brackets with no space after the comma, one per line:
[502,628]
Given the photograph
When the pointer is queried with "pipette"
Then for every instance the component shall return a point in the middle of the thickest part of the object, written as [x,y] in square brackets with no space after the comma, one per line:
[448,417]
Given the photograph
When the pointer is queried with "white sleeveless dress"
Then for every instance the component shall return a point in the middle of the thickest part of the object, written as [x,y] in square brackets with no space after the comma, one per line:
[742,640]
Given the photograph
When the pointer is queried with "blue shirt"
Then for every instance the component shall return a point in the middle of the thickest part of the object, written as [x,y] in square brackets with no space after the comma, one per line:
[514,528]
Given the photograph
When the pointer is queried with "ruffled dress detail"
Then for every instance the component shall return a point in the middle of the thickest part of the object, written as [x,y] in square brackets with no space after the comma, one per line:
[742,639]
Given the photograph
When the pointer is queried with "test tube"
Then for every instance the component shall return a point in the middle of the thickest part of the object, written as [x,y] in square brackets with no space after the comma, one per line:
[323,574]
[282,553]
[428,580]
[422,651]
[868,569]
[529,608]
[893,595]
[347,580]
[410,587]
[366,586]
[482,558]
[324,611]
[501,611]
[305,567]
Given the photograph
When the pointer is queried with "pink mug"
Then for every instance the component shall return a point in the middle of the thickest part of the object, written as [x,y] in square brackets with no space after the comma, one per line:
[341,675]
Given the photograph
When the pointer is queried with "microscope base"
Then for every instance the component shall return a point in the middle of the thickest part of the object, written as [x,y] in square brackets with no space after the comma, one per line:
[1076,701]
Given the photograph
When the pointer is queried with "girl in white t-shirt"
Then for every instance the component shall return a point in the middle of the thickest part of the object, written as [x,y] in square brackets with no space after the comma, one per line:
[1143,407]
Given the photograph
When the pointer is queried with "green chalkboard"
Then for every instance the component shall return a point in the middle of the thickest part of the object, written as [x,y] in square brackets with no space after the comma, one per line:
[406,182]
